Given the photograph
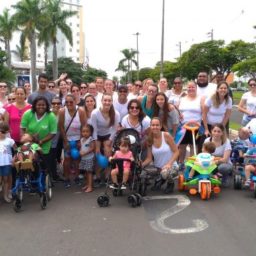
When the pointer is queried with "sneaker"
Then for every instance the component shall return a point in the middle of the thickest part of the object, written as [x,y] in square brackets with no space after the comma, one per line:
[77,181]
[7,200]
[10,195]
[67,184]
[124,186]
[247,183]
[114,186]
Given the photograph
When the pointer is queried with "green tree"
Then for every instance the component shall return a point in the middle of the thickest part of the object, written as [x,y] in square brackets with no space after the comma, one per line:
[145,73]
[21,49]
[91,73]
[56,20]
[7,27]
[29,16]
[246,68]
[127,61]
[6,74]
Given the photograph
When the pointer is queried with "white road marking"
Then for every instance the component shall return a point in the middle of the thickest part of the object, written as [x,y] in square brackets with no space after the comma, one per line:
[183,202]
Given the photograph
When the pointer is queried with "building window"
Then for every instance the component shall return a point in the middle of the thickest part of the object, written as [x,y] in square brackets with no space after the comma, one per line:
[70,49]
[77,25]
[77,59]
[77,33]
[77,42]
[39,55]
[70,24]
[77,50]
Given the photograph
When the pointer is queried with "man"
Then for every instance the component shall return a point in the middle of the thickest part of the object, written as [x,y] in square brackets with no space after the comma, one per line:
[121,103]
[176,92]
[51,87]
[163,87]
[92,89]
[204,88]
[42,90]
[99,81]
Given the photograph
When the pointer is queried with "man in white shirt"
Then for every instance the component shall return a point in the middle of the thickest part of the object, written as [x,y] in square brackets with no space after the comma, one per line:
[204,88]
[121,102]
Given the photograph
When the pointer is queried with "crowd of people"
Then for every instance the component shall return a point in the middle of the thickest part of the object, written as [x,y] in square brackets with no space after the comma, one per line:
[61,116]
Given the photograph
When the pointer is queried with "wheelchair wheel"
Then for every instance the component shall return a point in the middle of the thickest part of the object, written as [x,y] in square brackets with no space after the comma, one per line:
[103,200]
[237,181]
[17,205]
[139,199]
[43,201]
[132,200]
[48,187]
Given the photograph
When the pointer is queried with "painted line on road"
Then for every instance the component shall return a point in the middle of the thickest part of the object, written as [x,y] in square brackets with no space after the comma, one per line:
[183,202]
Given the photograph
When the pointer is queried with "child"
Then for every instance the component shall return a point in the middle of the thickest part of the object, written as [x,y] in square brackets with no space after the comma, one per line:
[208,147]
[6,145]
[124,152]
[26,152]
[87,155]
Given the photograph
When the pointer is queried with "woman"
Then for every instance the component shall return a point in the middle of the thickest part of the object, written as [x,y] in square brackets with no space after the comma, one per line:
[247,104]
[163,152]
[41,123]
[191,109]
[147,100]
[3,93]
[168,114]
[176,92]
[145,84]
[63,91]
[71,119]
[223,151]
[75,90]
[89,106]
[16,111]
[105,121]
[136,119]
[217,108]
[109,87]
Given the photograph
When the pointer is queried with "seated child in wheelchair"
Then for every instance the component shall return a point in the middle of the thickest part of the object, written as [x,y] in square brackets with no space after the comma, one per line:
[124,152]
[207,149]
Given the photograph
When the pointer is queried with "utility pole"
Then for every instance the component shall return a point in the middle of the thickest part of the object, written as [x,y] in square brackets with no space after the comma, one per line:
[179,45]
[210,34]
[162,43]
[137,43]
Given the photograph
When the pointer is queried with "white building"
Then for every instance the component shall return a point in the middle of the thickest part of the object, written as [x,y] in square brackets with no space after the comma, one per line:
[64,49]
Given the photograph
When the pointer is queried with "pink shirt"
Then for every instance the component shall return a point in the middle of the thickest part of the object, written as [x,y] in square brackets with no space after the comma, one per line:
[15,116]
[128,155]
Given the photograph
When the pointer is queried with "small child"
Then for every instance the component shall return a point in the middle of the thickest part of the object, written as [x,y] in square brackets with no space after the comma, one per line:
[125,153]
[87,154]
[6,145]
[26,152]
[208,147]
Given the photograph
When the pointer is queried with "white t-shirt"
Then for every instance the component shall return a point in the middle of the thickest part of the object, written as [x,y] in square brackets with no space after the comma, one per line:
[209,90]
[252,126]
[121,108]
[216,115]
[219,151]
[98,98]
[6,151]
[250,102]
[191,110]
[140,128]
[174,98]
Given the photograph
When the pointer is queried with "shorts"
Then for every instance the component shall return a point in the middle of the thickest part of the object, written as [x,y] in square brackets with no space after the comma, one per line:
[87,165]
[188,138]
[103,138]
[5,170]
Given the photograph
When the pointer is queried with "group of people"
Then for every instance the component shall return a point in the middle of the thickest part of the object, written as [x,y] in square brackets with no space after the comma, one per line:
[64,118]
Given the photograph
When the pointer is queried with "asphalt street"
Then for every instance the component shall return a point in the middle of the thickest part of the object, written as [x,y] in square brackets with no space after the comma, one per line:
[236,116]
[177,224]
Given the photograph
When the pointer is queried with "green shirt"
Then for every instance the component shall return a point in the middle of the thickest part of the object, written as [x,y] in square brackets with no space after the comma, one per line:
[42,127]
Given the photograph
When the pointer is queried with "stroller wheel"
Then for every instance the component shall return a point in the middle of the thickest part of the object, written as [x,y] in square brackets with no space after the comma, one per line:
[103,200]
[17,205]
[48,187]
[139,199]
[115,192]
[20,194]
[132,200]
[169,187]
[143,188]
[43,201]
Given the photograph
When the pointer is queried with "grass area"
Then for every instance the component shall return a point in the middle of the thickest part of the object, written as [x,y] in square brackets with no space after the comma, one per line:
[237,96]
[234,126]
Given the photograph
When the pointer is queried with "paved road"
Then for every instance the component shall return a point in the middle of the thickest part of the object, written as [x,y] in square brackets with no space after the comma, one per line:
[236,116]
[74,225]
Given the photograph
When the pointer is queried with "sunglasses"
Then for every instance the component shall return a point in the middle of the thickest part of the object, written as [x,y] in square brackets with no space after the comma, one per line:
[177,82]
[51,86]
[252,85]
[133,107]
[56,103]
[123,91]
[3,86]
[138,85]
[11,99]
[152,91]
[83,87]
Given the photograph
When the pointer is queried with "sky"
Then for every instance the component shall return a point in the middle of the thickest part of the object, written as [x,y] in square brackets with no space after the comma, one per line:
[110,26]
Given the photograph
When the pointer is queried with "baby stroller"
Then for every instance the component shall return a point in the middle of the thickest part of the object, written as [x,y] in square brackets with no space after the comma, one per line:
[31,177]
[134,199]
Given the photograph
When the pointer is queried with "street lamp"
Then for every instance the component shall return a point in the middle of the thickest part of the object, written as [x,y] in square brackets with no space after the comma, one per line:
[137,43]
[162,44]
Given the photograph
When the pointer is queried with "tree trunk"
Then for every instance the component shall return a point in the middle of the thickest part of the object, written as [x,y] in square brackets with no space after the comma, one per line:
[8,50]
[33,60]
[54,61]
[45,56]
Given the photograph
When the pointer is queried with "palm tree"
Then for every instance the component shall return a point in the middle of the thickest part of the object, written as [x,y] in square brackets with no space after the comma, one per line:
[28,16]
[21,50]
[129,58]
[7,27]
[56,21]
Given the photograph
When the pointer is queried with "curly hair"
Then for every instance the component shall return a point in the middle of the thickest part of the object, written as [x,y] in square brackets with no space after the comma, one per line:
[38,98]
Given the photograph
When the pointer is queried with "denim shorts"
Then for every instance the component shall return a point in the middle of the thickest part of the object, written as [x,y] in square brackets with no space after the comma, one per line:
[5,170]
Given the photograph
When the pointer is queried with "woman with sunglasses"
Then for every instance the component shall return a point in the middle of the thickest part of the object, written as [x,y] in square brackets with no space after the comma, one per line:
[71,119]
[3,93]
[83,90]
[16,110]
[247,104]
